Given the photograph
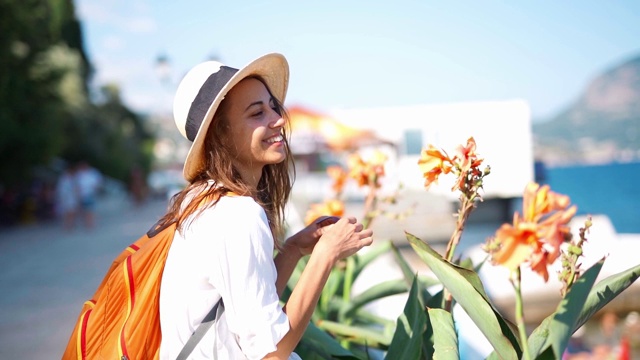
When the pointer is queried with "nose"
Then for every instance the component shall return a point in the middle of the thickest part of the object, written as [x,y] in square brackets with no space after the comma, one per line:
[277,120]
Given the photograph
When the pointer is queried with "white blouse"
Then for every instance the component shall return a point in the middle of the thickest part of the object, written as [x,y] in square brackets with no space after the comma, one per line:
[225,252]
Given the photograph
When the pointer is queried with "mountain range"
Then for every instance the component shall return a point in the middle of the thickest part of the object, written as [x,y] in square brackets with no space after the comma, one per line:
[602,126]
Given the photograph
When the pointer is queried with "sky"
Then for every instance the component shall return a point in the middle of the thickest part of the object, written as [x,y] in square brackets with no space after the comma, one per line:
[364,54]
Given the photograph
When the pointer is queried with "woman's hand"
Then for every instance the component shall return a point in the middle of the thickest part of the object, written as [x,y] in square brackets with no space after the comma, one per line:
[305,240]
[343,239]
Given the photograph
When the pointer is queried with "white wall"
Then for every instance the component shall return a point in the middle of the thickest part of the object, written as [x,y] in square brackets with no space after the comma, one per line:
[502,130]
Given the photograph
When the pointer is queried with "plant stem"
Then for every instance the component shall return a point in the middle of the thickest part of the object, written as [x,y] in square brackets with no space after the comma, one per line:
[369,205]
[466,207]
[522,331]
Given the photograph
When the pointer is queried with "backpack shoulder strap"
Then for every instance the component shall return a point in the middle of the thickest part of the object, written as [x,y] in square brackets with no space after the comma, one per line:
[202,329]
[158,227]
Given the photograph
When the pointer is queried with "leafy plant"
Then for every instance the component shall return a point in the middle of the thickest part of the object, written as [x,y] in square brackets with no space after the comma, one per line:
[340,313]
[426,328]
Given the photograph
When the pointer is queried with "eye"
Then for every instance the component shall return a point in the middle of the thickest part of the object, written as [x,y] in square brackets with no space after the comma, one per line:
[258,113]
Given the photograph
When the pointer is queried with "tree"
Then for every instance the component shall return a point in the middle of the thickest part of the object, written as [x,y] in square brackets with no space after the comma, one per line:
[43,77]
[46,112]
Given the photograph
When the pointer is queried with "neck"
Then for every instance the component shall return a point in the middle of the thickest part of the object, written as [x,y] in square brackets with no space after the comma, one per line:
[250,176]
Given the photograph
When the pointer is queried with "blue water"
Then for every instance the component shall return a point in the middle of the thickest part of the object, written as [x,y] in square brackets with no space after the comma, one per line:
[602,189]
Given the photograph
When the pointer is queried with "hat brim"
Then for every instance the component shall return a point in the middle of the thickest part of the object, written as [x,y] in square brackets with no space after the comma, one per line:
[272,68]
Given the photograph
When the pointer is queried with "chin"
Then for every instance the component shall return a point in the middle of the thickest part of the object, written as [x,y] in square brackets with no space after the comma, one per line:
[277,156]
[276,159]
[279,160]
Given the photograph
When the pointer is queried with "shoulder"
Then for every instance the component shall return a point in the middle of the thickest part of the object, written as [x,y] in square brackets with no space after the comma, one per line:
[232,218]
[239,204]
[231,210]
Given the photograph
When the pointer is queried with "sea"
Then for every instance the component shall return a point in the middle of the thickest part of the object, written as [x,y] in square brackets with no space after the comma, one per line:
[602,189]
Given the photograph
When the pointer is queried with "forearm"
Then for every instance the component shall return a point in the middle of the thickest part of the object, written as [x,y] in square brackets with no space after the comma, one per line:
[285,261]
[302,302]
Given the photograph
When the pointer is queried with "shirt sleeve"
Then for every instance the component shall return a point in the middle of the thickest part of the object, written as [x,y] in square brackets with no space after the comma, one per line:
[245,275]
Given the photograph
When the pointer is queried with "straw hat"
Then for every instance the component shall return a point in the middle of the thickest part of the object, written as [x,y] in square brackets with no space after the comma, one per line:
[204,87]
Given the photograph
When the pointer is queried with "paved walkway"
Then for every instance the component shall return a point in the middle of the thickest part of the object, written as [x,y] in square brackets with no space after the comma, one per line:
[47,273]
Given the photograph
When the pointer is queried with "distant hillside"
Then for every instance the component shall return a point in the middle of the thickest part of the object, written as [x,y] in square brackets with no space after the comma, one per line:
[602,126]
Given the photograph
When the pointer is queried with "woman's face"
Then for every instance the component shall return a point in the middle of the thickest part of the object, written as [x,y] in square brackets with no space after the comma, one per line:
[255,127]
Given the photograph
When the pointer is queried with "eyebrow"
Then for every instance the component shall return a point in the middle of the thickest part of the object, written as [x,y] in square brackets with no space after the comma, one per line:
[259,102]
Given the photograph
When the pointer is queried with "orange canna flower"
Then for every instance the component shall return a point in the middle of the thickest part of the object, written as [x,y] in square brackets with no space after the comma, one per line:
[367,172]
[378,158]
[537,235]
[330,208]
[339,176]
[467,162]
[433,162]
[357,170]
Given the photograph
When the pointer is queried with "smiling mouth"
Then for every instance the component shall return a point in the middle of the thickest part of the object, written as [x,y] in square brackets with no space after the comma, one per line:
[274,139]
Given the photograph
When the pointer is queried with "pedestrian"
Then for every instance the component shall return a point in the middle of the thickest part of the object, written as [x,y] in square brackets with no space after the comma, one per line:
[89,182]
[230,220]
[67,197]
[137,185]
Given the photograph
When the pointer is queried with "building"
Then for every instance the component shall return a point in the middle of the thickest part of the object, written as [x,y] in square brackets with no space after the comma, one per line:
[501,129]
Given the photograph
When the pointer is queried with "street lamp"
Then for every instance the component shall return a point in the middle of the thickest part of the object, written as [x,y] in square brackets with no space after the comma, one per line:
[163,69]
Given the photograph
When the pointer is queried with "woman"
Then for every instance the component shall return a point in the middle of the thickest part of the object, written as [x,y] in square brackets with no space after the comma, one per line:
[230,220]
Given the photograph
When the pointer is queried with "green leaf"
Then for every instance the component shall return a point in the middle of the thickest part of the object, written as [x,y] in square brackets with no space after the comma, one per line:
[436,300]
[477,267]
[356,334]
[376,292]
[317,344]
[428,281]
[407,339]
[569,309]
[562,323]
[347,282]
[363,316]
[445,339]
[599,296]
[466,287]
[605,291]
[330,289]
[407,271]
[547,354]
[538,339]
[428,342]
[426,298]
[466,263]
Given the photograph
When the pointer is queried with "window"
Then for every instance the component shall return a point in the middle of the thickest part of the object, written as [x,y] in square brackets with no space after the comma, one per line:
[412,141]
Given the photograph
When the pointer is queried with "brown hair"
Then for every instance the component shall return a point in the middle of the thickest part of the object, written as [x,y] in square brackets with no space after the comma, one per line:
[273,189]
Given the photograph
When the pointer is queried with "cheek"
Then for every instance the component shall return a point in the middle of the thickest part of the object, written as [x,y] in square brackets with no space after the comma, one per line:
[245,141]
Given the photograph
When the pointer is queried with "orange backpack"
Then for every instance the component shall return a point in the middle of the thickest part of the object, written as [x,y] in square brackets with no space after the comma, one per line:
[122,320]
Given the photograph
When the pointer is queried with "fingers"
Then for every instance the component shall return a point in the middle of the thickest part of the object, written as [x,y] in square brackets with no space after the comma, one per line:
[366,235]
[351,220]
[368,239]
[350,225]
[344,238]
[366,232]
